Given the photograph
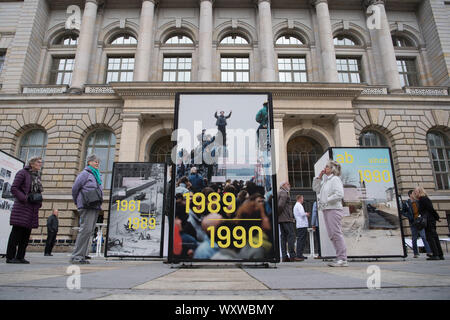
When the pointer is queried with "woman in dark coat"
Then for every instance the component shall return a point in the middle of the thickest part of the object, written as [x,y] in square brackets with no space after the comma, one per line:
[25,213]
[427,211]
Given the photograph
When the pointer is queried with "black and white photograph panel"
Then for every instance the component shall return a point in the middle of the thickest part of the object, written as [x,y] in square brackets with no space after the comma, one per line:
[136,219]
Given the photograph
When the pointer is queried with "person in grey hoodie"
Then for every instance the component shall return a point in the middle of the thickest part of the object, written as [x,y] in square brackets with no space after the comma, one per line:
[330,192]
[88,179]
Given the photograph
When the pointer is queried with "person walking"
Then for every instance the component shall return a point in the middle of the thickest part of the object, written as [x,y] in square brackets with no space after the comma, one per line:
[286,221]
[330,189]
[427,211]
[315,227]
[52,231]
[410,209]
[87,193]
[27,190]
[301,218]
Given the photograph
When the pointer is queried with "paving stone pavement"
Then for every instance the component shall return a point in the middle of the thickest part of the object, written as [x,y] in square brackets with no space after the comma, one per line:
[113,279]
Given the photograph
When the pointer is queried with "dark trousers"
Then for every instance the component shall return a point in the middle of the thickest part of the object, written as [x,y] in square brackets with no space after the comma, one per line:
[18,242]
[51,240]
[287,235]
[301,241]
[317,240]
[433,238]
[224,134]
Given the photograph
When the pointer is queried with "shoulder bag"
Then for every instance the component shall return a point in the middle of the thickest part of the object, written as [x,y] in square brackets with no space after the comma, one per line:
[92,198]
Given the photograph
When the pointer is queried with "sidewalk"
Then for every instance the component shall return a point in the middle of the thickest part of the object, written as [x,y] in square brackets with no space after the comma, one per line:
[46,277]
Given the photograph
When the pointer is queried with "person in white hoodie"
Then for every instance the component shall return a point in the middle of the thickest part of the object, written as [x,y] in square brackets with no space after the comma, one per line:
[330,192]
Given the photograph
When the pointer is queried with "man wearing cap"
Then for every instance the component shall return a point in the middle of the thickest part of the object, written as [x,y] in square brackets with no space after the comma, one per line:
[286,221]
[87,181]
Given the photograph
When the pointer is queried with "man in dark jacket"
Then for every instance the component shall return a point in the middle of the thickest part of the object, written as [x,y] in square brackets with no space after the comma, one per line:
[286,221]
[52,230]
[221,124]
[196,180]
[89,179]
[25,211]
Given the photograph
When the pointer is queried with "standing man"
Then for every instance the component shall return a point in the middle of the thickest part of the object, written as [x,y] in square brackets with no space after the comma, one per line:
[52,230]
[315,227]
[196,180]
[221,124]
[301,218]
[286,221]
[410,209]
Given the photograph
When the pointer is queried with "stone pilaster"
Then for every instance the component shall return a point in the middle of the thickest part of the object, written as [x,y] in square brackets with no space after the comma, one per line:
[344,130]
[130,138]
[145,39]
[205,40]
[281,164]
[84,48]
[328,54]
[266,41]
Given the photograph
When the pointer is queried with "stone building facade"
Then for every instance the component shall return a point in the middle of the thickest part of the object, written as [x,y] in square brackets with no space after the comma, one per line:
[370,72]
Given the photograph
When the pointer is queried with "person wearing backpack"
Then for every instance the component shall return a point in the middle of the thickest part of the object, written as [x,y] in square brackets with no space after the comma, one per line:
[87,193]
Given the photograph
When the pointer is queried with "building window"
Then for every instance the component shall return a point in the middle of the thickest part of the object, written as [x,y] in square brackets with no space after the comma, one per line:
[102,143]
[344,40]
[120,69]
[372,139]
[349,70]
[69,40]
[234,69]
[234,39]
[440,157]
[302,154]
[292,69]
[62,69]
[161,150]
[179,39]
[401,42]
[289,40]
[124,39]
[408,72]
[33,144]
[2,60]
[177,68]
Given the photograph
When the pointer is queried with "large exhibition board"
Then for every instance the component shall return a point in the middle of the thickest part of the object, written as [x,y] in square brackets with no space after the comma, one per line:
[136,210]
[9,166]
[223,139]
[371,223]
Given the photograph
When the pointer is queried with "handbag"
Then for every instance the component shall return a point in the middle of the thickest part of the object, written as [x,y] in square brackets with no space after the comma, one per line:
[420,223]
[35,197]
[92,198]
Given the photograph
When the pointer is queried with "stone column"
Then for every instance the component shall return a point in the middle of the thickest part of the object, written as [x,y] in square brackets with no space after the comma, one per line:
[344,130]
[145,39]
[266,45]
[84,48]
[328,54]
[130,137]
[205,40]
[386,47]
[281,165]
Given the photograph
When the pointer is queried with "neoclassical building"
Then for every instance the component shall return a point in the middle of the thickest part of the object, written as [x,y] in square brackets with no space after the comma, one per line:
[342,73]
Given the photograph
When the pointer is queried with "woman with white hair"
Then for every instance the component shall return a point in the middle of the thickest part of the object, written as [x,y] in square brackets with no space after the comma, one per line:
[87,193]
[330,192]
[27,190]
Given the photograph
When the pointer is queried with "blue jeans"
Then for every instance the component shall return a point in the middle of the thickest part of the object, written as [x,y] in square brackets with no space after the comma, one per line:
[415,235]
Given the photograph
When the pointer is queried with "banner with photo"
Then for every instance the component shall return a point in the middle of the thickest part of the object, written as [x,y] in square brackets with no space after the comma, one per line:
[224,193]
[9,166]
[371,222]
[136,210]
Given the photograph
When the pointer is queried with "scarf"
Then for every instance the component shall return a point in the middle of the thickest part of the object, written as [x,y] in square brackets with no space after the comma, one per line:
[97,174]
[36,185]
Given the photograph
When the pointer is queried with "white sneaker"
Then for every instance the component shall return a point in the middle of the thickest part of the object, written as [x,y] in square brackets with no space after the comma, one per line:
[339,263]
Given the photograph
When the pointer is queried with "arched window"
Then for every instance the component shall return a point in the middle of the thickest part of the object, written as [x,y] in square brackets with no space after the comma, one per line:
[103,144]
[302,152]
[401,41]
[439,147]
[161,150]
[33,144]
[234,39]
[289,40]
[179,39]
[68,40]
[372,139]
[124,39]
[345,40]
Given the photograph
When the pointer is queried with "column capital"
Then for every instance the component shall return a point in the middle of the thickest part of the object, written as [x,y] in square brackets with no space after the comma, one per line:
[368,3]
[257,2]
[316,2]
[96,2]
[200,1]
[155,2]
